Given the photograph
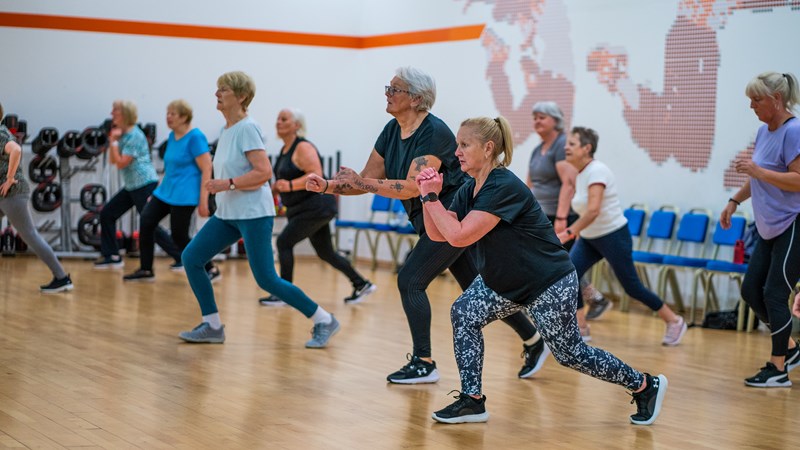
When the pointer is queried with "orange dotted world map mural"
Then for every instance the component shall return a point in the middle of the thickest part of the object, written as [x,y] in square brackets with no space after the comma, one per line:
[677,121]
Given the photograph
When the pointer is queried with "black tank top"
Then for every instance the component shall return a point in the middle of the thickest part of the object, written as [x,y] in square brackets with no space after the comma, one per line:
[301,200]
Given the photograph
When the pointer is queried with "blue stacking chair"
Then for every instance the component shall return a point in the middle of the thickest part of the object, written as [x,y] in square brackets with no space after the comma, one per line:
[689,254]
[715,266]
[381,206]
[403,232]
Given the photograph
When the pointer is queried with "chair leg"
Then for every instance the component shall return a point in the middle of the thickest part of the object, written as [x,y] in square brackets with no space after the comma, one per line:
[697,280]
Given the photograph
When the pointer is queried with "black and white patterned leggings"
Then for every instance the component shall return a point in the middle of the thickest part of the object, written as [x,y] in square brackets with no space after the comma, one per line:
[553,313]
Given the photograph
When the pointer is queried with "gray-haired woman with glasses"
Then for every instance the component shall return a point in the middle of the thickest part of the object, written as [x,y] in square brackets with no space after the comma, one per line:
[414,140]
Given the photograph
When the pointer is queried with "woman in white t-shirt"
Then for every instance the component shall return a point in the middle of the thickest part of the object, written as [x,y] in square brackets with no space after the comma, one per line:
[244,210]
[603,231]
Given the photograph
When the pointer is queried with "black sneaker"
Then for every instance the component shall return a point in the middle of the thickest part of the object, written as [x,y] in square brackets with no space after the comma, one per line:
[177,266]
[57,285]
[534,358]
[792,358]
[648,402]
[140,276]
[271,300]
[416,371]
[769,376]
[465,410]
[598,307]
[109,262]
[359,293]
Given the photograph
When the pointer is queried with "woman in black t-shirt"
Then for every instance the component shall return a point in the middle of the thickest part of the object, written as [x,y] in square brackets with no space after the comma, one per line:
[413,140]
[308,214]
[521,265]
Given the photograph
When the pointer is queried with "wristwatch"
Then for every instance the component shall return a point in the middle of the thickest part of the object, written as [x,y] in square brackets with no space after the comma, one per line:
[231,186]
[431,197]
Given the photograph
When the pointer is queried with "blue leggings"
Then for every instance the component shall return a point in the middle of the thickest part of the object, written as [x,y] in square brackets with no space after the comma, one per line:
[617,249]
[553,313]
[215,236]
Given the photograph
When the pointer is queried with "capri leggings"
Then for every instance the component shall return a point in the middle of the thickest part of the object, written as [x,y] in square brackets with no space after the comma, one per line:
[15,207]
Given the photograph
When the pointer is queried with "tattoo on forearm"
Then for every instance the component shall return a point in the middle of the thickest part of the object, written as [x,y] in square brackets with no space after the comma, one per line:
[380,181]
[397,187]
[420,162]
[360,184]
[342,188]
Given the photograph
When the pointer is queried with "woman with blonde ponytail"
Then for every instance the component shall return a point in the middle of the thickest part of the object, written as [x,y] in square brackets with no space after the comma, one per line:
[521,265]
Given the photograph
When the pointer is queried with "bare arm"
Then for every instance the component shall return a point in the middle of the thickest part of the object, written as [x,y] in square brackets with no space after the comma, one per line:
[374,169]
[250,181]
[14,152]
[368,182]
[594,202]
[787,181]
[567,174]
[740,196]
[306,159]
[204,163]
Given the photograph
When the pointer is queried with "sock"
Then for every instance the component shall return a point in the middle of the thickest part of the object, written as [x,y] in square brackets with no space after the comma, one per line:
[213,320]
[533,339]
[321,316]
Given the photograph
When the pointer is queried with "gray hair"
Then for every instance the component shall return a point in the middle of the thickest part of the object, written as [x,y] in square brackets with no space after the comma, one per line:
[551,109]
[420,84]
[770,83]
[300,119]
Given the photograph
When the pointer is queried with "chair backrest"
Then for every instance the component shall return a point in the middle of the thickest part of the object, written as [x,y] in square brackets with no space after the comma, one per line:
[636,215]
[661,226]
[728,238]
[380,204]
[693,228]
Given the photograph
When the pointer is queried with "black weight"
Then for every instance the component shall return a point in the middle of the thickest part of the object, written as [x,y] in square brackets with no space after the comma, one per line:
[93,142]
[8,242]
[46,197]
[107,126]
[93,197]
[69,144]
[11,121]
[150,133]
[162,150]
[42,169]
[22,246]
[45,140]
[89,229]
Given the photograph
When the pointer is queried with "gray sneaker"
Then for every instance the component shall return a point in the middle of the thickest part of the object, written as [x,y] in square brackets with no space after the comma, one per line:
[204,334]
[597,307]
[322,332]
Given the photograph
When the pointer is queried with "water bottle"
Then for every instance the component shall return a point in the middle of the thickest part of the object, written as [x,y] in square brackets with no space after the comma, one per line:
[738,252]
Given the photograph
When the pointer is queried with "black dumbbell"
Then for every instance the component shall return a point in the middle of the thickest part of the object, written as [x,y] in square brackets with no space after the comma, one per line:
[69,144]
[8,242]
[46,197]
[42,169]
[45,140]
[89,229]
[93,197]
[93,142]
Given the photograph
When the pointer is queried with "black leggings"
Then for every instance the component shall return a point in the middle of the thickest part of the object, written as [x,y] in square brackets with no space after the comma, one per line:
[772,272]
[427,260]
[180,219]
[115,208]
[318,232]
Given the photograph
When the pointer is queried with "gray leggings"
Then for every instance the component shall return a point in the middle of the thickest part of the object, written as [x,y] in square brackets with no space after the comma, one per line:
[16,209]
[553,313]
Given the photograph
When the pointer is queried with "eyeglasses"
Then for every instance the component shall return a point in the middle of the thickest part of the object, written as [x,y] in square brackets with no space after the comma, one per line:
[390,91]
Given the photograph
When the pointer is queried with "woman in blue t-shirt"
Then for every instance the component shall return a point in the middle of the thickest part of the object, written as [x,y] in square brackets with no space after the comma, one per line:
[129,151]
[521,266]
[773,182]
[187,167]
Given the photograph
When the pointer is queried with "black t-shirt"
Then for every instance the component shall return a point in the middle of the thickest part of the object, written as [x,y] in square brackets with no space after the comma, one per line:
[521,256]
[301,201]
[433,137]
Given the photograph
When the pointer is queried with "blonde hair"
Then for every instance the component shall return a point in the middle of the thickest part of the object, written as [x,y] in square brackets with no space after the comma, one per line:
[241,84]
[182,107]
[130,114]
[496,130]
[770,83]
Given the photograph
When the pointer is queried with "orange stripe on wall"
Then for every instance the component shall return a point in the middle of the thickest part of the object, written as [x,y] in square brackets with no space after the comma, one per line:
[89,24]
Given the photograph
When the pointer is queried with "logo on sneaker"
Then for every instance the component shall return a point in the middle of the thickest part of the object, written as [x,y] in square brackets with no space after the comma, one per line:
[422,371]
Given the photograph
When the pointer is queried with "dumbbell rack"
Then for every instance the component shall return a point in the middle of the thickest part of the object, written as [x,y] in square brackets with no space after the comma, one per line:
[68,247]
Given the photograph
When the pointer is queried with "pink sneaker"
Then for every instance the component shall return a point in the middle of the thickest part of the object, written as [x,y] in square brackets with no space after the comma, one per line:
[675,332]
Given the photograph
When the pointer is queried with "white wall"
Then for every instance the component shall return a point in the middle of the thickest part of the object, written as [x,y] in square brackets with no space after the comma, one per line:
[68,79]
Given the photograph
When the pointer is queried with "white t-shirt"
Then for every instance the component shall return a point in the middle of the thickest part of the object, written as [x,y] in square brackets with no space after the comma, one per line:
[230,161]
[611,218]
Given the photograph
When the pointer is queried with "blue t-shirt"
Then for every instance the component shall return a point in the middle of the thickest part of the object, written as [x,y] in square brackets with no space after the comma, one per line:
[774,208]
[140,172]
[181,183]
[230,161]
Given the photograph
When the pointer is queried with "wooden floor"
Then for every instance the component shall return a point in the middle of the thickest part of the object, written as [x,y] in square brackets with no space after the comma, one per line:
[102,367]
